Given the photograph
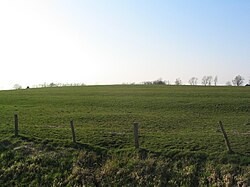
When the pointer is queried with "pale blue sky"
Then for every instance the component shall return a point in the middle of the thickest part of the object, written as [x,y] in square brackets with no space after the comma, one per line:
[118,41]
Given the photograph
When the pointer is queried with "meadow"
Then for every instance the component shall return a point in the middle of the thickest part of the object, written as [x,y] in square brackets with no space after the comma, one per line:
[175,122]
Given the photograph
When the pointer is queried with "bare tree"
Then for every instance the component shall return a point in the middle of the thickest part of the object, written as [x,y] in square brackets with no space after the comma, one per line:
[17,86]
[209,80]
[238,80]
[204,80]
[52,85]
[178,81]
[159,82]
[147,83]
[193,81]
[215,80]
[168,82]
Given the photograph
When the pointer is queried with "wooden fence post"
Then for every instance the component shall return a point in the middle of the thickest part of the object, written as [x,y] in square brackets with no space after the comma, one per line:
[136,136]
[73,131]
[16,124]
[225,137]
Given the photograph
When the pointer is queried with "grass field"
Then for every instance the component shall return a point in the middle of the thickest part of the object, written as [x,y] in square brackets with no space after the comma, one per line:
[173,120]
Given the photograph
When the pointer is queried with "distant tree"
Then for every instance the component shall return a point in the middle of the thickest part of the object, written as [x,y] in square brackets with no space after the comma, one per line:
[238,80]
[178,81]
[159,82]
[52,85]
[17,86]
[204,81]
[147,83]
[215,80]
[228,83]
[44,85]
[193,81]
[168,83]
[209,80]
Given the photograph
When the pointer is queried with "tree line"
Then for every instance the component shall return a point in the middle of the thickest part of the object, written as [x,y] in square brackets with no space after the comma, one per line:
[49,85]
[206,80]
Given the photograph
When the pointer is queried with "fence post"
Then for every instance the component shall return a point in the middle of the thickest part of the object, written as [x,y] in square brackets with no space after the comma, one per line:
[225,137]
[16,124]
[73,131]
[136,132]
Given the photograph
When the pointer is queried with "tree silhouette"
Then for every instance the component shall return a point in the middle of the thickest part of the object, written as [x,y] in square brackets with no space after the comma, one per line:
[17,86]
[193,81]
[215,80]
[238,80]
[178,81]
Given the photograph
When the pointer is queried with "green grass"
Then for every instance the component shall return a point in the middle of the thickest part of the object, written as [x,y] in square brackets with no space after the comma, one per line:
[170,117]
[176,122]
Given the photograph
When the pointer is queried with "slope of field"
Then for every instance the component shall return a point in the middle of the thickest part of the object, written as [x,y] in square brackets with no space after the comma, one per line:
[170,117]
[175,121]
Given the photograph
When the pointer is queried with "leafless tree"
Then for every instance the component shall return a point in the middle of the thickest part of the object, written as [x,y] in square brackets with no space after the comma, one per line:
[238,80]
[52,85]
[193,81]
[159,82]
[17,86]
[215,80]
[168,82]
[147,83]
[209,80]
[204,80]
[178,81]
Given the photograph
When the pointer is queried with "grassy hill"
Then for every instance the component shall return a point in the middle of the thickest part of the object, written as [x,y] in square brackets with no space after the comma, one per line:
[175,122]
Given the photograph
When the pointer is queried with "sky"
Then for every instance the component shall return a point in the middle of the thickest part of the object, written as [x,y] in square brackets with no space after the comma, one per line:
[118,41]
